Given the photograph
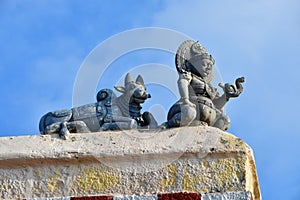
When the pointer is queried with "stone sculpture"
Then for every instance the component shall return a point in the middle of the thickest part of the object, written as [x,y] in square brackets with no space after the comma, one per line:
[200,102]
[108,113]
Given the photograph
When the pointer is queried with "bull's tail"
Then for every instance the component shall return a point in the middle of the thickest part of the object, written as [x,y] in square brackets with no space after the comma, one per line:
[42,125]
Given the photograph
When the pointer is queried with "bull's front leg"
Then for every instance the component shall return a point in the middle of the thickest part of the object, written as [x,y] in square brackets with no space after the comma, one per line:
[148,120]
[64,132]
[60,128]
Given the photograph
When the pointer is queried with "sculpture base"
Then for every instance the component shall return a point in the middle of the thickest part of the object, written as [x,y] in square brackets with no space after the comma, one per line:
[201,161]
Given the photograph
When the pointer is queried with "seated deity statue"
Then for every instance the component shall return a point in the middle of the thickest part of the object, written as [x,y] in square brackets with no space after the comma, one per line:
[200,102]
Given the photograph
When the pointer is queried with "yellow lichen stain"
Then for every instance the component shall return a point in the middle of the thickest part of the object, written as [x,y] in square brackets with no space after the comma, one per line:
[195,182]
[189,183]
[229,172]
[96,180]
[38,173]
[225,174]
[231,141]
[53,181]
[5,185]
[36,190]
[2,180]
[204,163]
[170,179]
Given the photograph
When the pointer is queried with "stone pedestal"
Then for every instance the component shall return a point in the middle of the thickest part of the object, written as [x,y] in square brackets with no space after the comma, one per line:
[201,161]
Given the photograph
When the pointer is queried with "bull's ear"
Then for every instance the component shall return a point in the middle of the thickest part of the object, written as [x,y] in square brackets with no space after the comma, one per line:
[120,89]
[127,79]
[140,80]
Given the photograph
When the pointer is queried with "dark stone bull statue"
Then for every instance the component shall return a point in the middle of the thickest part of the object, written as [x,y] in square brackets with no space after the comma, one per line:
[108,113]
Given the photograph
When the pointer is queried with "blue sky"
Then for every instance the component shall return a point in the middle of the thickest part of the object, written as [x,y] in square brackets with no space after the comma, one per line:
[43,44]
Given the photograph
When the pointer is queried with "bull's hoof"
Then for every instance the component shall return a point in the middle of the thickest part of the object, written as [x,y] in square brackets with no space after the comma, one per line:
[163,126]
[133,124]
[65,137]
[105,127]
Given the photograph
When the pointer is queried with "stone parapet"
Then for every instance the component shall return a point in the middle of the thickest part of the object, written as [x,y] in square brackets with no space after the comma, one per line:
[194,160]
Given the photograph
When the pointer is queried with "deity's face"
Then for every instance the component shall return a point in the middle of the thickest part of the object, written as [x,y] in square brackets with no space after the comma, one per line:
[207,68]
[204,68]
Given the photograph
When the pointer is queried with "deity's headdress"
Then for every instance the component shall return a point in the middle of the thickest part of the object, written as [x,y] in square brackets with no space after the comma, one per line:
[189,52]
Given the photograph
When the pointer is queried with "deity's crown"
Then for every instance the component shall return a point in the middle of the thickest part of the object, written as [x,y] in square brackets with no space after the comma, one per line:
[199,52]
[190,52]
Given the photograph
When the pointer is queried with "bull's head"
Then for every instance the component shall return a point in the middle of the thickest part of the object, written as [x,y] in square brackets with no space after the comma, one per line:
[134,91]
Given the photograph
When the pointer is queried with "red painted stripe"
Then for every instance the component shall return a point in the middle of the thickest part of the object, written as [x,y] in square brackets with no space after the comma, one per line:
[179,196]
[93,198]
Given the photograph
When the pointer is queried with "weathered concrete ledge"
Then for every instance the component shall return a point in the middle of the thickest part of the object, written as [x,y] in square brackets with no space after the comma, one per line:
[202,160]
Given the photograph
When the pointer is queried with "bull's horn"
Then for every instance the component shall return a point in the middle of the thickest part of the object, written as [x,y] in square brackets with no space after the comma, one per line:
[127,79]
[140,80]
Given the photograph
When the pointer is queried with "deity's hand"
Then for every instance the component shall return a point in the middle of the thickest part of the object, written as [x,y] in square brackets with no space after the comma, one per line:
[231,90]
[187,102]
